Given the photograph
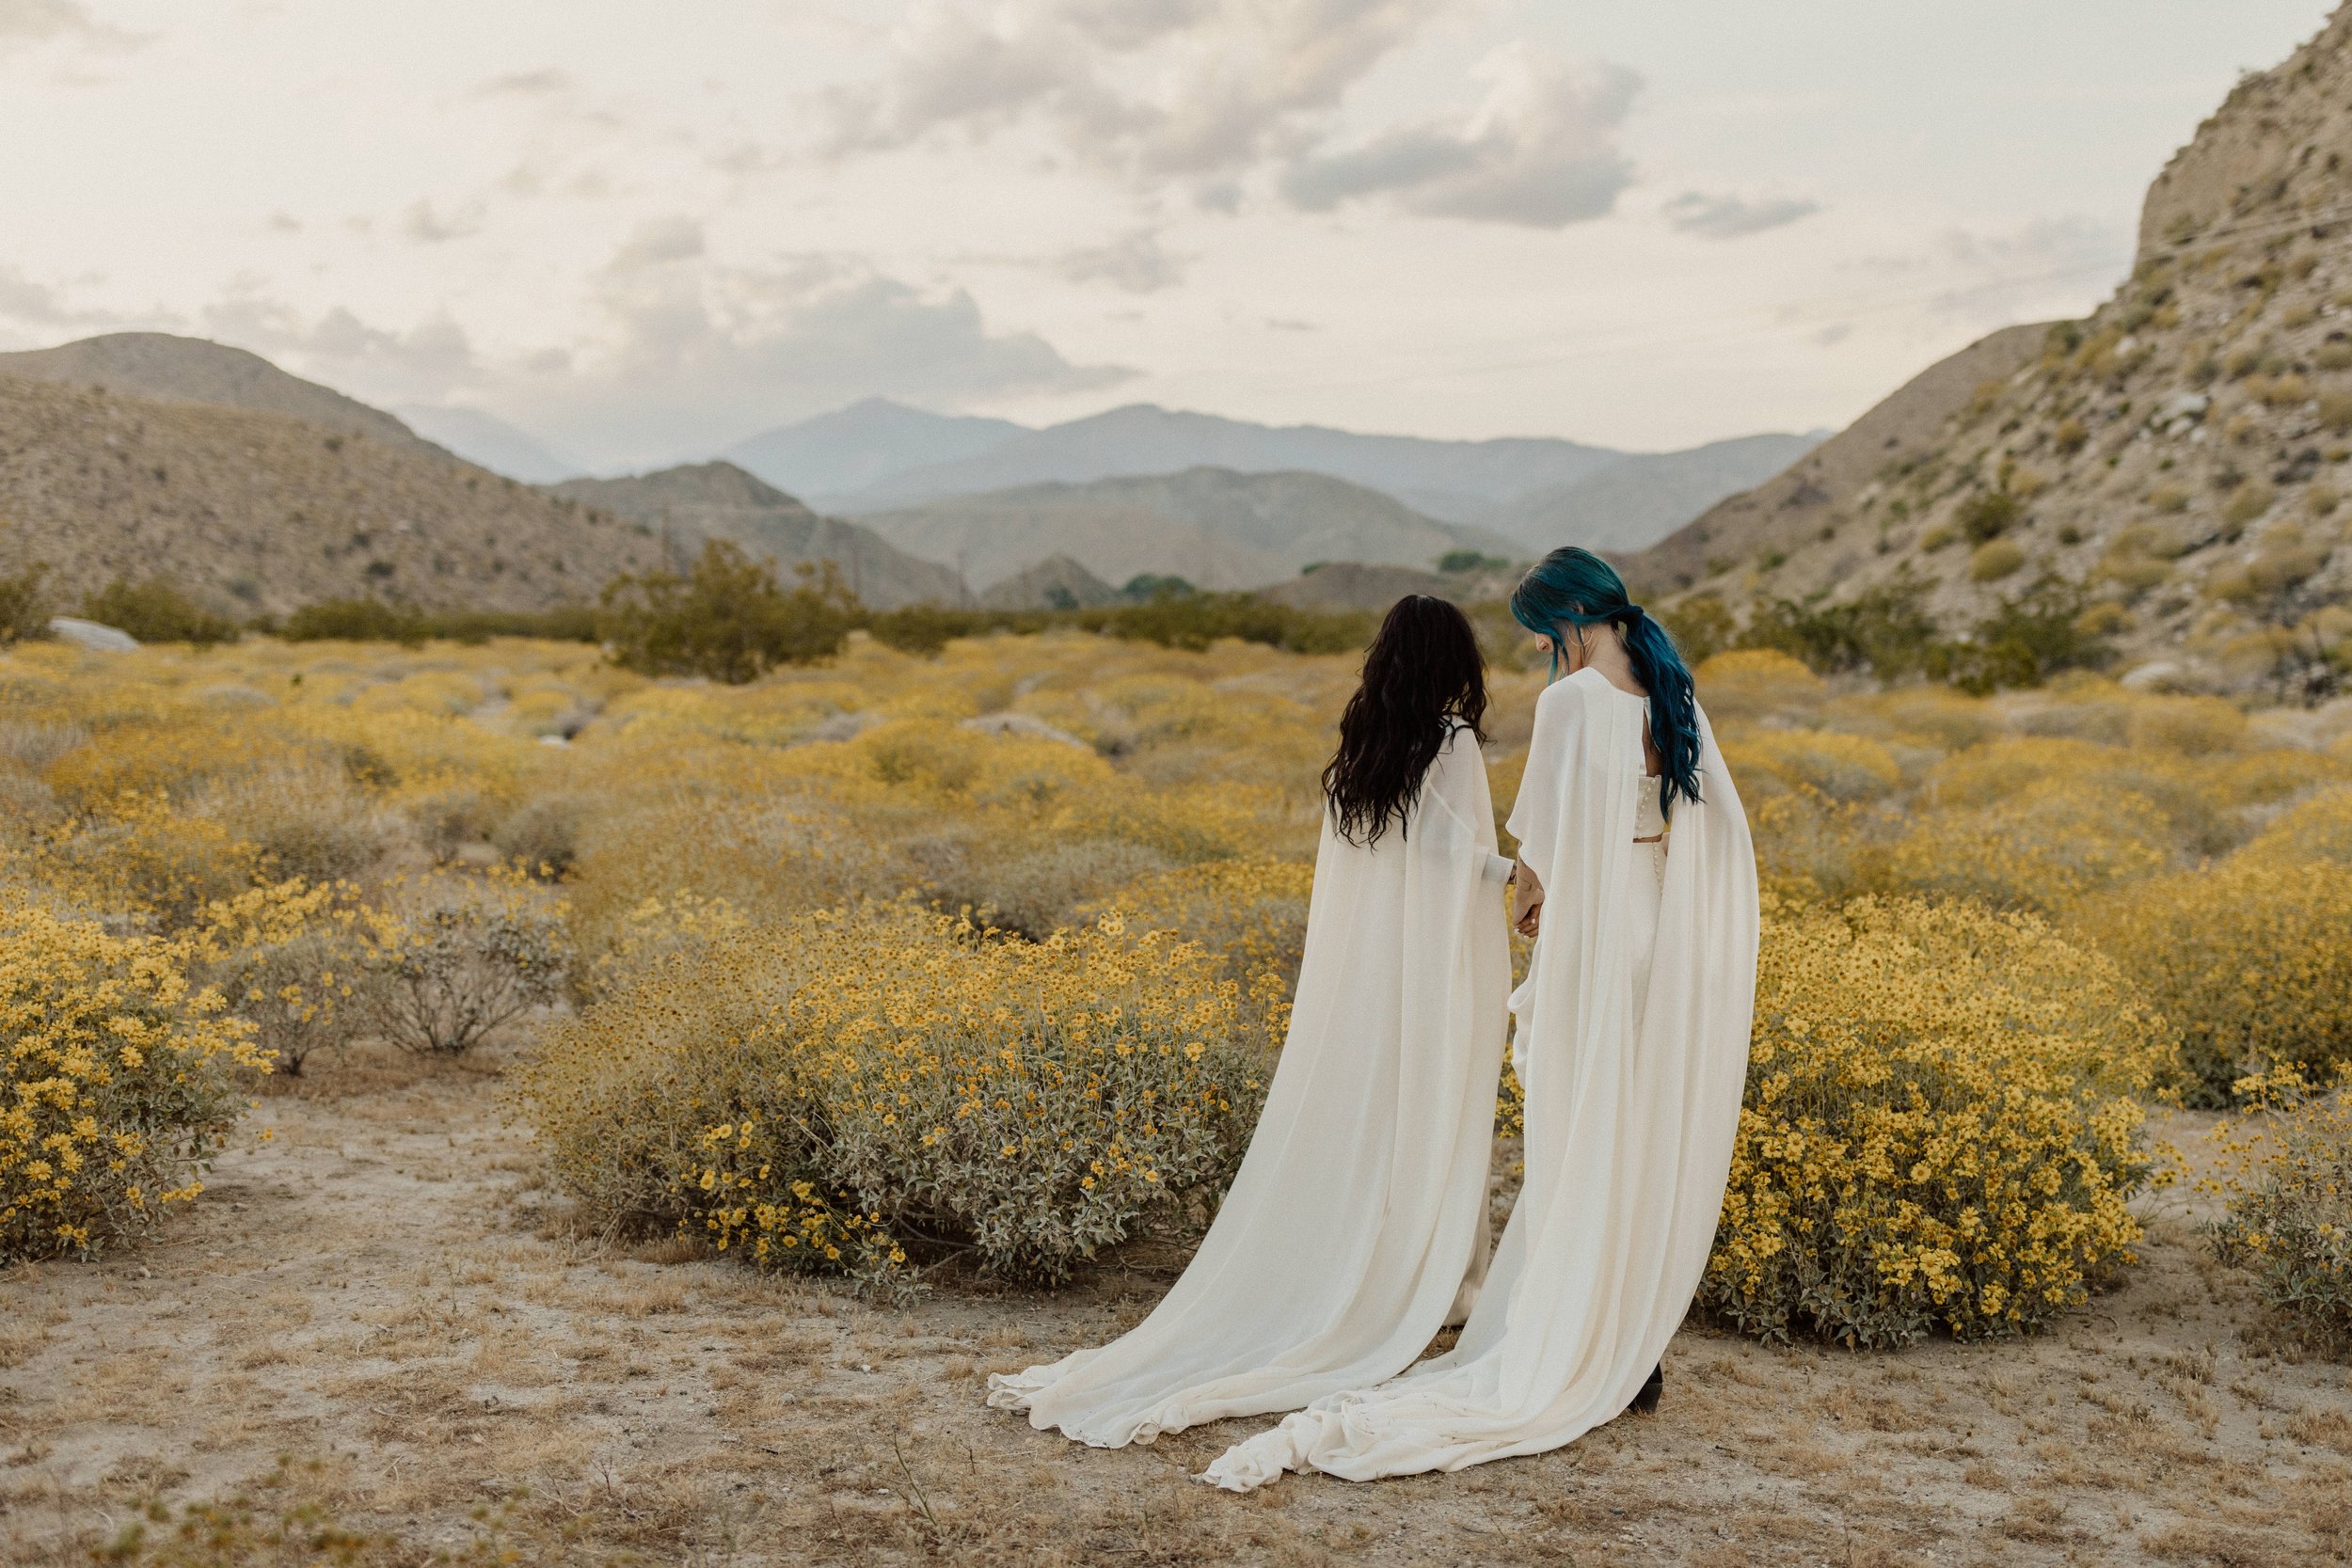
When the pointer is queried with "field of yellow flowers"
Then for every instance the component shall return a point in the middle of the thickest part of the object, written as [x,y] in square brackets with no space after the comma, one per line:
[828,1018]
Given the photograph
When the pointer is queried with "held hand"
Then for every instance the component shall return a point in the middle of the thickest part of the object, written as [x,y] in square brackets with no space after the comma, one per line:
[1527,924]
[1527,896]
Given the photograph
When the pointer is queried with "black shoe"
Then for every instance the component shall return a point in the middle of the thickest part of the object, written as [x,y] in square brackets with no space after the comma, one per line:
[1645,1403]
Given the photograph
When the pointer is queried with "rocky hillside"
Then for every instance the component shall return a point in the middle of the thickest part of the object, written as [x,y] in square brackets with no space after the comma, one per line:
[166,368]
[719,501]
[2179,459]
[1212,527]
[260,513]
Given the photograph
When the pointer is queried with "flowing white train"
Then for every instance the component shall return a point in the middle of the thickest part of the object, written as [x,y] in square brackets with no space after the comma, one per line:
[1633,1038]
[1358,1219]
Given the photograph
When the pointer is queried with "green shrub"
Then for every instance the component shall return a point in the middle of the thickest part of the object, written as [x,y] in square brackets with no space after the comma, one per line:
[1471,560]
[24,607]
[157,612]
[353,621]
[1987,516]
[729,620]
[1885,629]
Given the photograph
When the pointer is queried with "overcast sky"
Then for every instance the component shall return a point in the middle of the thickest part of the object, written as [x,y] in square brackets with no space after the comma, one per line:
[645,230]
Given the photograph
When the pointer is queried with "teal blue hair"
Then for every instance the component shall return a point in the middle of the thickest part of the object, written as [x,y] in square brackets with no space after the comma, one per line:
[1573,587]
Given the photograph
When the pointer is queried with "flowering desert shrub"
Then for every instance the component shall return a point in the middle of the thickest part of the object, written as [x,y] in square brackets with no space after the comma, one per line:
[2250,959]
[290,958]
[118,1083]
[847,1090]
[1939,1129]
[2290,1210]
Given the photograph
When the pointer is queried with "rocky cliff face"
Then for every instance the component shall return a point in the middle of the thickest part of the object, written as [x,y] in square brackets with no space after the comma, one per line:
[2178,461]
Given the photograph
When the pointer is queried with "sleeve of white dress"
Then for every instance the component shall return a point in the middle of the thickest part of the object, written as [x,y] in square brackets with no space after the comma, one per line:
[1536,813]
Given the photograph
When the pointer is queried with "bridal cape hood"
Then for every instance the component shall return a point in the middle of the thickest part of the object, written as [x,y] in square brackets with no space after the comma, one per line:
[1635,1049]
[1359,1212]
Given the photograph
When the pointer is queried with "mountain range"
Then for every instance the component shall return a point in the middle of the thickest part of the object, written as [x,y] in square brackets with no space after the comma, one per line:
[1212,526]
[2178,463]
[1539,492]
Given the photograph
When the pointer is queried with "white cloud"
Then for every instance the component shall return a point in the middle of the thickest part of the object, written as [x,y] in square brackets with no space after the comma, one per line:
[1137,263]
[1141,88]
[428,226]
[1730,217]
[29,21]
[695,353]
[422,364]
[1540,150]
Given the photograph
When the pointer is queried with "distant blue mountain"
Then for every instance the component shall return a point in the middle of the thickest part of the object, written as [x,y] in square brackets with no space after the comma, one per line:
[491,441]
[865,444]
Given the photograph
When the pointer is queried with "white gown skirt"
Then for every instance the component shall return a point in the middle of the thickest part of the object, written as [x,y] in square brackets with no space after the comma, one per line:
[1478,1402]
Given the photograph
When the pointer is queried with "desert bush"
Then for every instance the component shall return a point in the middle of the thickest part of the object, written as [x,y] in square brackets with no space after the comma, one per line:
[1988,514]
[1842,766]
[353,621]
[2289,1215]
[1994,559]
[1939,1133]
[2044,849]
[24,606]
[289,959]
[1885,629]
[304,815]
[542,834]
[729,619]
[119,1081]
[2250,959]
[455,957]
[849,1091]
[157,610]
[145,856]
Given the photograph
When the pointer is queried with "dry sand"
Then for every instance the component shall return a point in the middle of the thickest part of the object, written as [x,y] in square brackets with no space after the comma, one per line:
[384,1297]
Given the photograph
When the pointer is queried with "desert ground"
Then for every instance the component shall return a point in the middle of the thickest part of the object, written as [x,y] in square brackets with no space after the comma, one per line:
[377,1316]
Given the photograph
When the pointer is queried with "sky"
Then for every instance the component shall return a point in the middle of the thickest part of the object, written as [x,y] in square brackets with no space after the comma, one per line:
[644,231]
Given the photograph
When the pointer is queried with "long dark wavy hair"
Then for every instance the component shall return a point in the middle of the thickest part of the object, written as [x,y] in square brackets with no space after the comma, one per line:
[1575,587]
[1422,673]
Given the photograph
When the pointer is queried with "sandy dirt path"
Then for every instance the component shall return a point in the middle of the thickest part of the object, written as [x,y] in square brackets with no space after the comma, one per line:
[385,1297]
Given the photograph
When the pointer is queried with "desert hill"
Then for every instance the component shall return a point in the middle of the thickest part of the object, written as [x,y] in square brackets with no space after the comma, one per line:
[162,366]
[1212,526]
[258,512]
[2179,457]
[1056,582]
[1642,497]
[719,501]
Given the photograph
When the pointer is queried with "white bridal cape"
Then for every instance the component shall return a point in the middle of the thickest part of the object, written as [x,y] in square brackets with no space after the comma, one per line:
[1359,1214]
[1634,1036]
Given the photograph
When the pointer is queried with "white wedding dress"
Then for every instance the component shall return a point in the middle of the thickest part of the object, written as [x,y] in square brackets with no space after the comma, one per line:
[1633,1039]
[1359,1215]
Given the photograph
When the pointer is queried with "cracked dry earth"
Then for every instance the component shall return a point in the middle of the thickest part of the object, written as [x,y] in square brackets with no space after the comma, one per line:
[384,1295]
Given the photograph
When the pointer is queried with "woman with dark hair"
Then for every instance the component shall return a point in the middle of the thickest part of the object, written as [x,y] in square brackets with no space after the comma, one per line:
[1632,1044]
[1356,1229]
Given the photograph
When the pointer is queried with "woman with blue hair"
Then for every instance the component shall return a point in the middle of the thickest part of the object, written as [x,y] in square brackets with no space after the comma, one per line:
[1637,877]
